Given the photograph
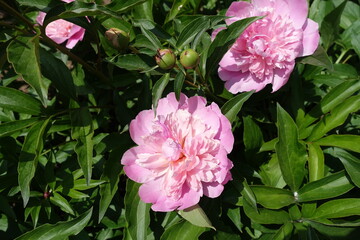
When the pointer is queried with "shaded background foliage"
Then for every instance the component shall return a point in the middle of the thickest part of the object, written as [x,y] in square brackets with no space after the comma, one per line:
[64,126]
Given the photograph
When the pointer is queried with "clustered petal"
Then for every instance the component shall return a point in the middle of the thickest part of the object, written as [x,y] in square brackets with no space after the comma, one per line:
[181,153]
[61,30]
[265,52]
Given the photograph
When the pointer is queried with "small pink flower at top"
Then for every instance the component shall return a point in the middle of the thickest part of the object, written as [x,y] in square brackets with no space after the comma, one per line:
[181,153]
[265,52]
[61,30]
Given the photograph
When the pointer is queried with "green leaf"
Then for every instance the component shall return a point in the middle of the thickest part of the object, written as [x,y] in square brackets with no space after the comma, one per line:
[123,6]
[137,213]
[269,146]
[266,216]
[183,230]
[40,4]
[235,217]
[315,162]
[61,202]
[159,88]
[285,232]
[291,153]
[253,138]
[338,208]
[336,96]
[196,216]
[82,131]
[60,230]
[273,198]
[178,83]
[57,72]
[270,173]
[318,58]
[336,117]
[137,62]
[30,152]
[232,107]
[9,128]
[111,174]
[223,41]
[330,26]
[175,9]
[81,184]
[351,164]
[152,38]
[349,142]
[18,101]
[249,195]
[23,53]
[191,30]
[144,10]
[332,231]
[327,187]
[155,29]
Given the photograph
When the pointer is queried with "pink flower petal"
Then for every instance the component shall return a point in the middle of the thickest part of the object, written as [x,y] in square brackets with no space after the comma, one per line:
[213,189]
[281,76]
[241,82]
[298,12]
[141,126]
[170,104]
[132,170]
[311,37]
[238,11]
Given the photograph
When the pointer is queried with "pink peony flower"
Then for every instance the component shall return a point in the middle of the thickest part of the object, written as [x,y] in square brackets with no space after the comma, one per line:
[265,52]
[60,30]
[181,153]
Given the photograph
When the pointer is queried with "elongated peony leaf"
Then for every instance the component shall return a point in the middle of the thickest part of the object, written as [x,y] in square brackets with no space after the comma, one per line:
[232,107]
[327,187]
[137,213]
[29,155]
[23,53]
[60,230]
[183,230]
[18,101]
[291,153]
[196,216]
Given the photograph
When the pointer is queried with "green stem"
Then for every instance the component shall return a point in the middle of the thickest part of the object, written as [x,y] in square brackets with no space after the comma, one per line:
[342,54]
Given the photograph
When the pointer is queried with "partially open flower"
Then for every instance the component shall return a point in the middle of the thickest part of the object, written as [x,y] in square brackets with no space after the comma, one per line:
[189,58]
[118,38]
[61,30]
[265,52]
[181,153]
[165,59]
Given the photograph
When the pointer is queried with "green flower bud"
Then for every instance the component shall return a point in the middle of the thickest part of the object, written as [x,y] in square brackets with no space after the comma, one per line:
[118,38]
[165,59]
[189,58]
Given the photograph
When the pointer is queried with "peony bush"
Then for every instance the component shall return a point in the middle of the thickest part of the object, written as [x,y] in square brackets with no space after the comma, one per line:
[188,119]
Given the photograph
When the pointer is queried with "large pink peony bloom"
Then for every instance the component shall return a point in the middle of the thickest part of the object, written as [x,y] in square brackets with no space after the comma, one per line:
[266,51]
[181,152]
[60,30]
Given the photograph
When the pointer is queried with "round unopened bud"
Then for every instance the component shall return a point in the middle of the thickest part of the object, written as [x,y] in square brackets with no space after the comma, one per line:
[189,58]
[165,58]
[117,38]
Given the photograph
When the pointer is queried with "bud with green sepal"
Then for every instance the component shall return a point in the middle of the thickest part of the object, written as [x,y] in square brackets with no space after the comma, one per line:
[119,39]
[165,59]
[189,58]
